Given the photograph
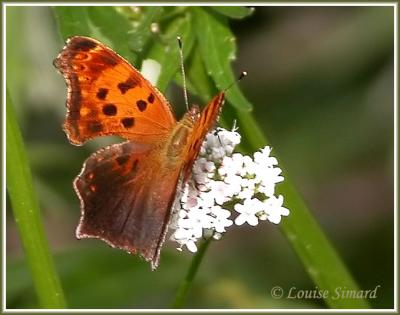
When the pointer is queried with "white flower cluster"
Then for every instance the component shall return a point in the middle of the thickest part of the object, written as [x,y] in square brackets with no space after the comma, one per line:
[225,183]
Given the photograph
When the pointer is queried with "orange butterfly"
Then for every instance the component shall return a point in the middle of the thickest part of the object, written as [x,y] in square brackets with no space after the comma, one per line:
[127,190]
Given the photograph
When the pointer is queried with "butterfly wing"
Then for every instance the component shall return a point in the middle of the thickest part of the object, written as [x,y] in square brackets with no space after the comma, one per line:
[126,198]
[204,124]
[107,96]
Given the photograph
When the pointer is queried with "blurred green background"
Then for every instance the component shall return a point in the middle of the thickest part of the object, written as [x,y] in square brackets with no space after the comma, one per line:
[321,79]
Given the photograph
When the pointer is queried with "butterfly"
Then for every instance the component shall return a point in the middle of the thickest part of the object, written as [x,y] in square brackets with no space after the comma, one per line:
[127,190]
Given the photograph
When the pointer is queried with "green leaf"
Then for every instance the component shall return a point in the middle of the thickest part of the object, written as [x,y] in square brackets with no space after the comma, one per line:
[73,21]
[234,12]
[115,27]
[167,54]
[197,76]
[141,34]
[26,212]
[218,49]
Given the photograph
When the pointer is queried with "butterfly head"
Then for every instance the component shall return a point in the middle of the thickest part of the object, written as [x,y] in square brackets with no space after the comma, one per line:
[194,111]
[191,116]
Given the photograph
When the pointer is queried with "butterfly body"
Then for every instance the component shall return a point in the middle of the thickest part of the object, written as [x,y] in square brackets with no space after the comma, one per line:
[127,190]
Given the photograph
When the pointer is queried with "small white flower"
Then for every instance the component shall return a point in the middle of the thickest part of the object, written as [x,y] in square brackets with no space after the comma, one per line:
[206,199]
[184,237]
[248,183]
[201,178]
[191,245]
[234,182]
[248,166]
[221,220]
[182,234]
[196,220]
[274,209]
[268,177]
[247,212]
[231,138]
[203,165]
[231,165]
[189,198]
[267,190]
[245,193]
[211,141]
[262,157]
[221,190]
[217,154]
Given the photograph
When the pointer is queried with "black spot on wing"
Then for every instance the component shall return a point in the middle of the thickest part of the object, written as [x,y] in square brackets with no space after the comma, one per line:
[121,160]
[108,60]
[141,105]
[110,109]
[95,126]
[128,122]
[102,93]
[151,98]
[82,44]
[130,83]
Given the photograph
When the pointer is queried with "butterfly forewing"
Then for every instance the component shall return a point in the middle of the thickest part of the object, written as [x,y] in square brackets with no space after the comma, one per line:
[107,96]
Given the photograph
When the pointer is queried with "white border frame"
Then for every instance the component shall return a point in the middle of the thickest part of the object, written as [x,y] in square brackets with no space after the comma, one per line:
[255,4]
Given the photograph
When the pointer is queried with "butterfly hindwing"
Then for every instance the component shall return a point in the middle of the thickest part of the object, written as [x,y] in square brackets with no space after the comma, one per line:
[122,203]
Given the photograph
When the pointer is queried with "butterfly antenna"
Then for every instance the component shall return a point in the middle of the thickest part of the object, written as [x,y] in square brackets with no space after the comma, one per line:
[241,76]
[183,72]
[234,126]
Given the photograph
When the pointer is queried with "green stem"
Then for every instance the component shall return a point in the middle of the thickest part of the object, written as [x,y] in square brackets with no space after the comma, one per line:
[193,268]
[26,211]
[317,254]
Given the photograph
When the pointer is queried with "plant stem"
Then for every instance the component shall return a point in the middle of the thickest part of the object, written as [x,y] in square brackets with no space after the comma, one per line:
[26,211]
[317,254]
[193,268]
